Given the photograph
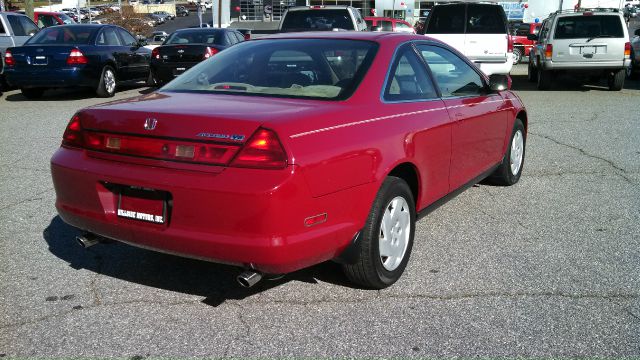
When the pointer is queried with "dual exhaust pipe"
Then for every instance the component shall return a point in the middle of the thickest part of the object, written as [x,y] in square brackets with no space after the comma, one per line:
[247,278]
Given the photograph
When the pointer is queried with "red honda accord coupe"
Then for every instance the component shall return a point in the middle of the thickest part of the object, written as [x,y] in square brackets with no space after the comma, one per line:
[284,152]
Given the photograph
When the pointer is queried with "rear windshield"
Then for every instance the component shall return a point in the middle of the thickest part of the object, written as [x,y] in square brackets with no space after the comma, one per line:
[448,19]
[317,20]
[292,68]
[72,34]
[579,27]
[486,19]
[195,37]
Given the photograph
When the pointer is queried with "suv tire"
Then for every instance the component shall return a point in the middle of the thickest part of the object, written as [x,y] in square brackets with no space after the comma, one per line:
[532,72]
[544,79]
[616,80]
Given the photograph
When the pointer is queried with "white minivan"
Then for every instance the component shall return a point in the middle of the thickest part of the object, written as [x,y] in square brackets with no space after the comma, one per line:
[478,30]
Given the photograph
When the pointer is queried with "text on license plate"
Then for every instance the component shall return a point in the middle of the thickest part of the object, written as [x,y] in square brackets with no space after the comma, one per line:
[142,205]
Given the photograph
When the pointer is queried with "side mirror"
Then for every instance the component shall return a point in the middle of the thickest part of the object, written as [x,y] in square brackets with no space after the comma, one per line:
[637,32]
[499,82]
[532,37]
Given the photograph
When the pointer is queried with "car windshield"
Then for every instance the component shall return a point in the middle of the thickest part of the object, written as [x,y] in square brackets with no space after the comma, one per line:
[579,27]
[73,34]
[196,37]
[317,20]
[292,68]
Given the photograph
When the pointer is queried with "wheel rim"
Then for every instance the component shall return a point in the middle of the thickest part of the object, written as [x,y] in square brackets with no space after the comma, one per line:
[109,81]
[395,228]
[517,56]
[517,151]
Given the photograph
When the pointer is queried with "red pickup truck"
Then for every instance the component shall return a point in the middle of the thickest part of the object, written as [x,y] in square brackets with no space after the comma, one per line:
[522,45]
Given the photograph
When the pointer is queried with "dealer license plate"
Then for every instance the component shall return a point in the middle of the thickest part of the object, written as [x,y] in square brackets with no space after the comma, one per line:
[142,205]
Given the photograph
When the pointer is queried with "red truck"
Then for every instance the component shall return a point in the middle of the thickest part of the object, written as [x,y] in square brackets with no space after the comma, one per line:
[521,45]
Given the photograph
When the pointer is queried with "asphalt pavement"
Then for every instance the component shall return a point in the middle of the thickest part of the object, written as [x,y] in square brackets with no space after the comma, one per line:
[548,267]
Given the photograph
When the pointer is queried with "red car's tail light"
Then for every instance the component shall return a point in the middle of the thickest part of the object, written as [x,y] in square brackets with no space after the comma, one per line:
[548,51]
[76,57]
[509,44]
[155,53]
[263,150]
[8,58]
[161,149]
[627,50]
[73,134]
[209,52]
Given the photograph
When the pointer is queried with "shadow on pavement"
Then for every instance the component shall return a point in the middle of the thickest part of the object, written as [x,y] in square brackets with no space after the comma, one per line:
[569,83]
[215,282]
[63,94]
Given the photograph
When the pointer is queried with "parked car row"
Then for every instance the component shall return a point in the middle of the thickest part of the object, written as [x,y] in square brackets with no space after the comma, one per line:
[102,56]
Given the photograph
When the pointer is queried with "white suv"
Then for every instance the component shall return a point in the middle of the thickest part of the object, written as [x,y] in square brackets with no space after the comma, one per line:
[479,31]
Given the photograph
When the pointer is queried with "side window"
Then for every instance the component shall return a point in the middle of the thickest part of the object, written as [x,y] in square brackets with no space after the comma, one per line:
[46,21]
[2,31]
[127,39]
[447,19]
[453,76]
[108,37]
[240,37]
[408,78]
[231,40]
[545,30]
[14,23]
[28,26]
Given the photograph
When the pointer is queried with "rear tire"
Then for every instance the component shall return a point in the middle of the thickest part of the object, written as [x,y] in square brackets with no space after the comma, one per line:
[387,237]
[509,171]
[532,72]
[517,55]
[544,79]
[107,85]
[616,80]
[151,80]
[32,93]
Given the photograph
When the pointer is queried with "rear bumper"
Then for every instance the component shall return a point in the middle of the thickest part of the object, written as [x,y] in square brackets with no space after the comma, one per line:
[591,65]
[51,78]
[165,72]
[493,67]
[245,217]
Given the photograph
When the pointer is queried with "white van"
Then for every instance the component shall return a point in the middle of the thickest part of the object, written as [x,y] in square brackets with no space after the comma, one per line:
[479,31]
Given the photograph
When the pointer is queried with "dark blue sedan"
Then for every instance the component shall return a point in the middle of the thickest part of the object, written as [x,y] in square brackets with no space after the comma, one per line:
[94,56]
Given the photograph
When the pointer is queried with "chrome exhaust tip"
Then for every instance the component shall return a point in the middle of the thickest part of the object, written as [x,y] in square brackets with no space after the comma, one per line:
[249,278]
[87,240]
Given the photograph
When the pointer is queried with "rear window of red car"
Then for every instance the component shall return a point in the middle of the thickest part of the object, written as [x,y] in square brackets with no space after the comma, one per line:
[293,68]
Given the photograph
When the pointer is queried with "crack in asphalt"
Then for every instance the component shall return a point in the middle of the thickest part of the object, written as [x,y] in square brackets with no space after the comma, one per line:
[620,171]
[33,198]
[93,287]
[626,309]
[238,337]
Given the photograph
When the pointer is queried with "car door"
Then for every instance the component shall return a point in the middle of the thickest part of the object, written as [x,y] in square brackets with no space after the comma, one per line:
[109,45]
[480,116]
[410,90]
[138,56]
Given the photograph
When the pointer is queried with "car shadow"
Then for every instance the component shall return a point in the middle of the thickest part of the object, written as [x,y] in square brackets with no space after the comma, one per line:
[215,282]
[62,94]
[568,83]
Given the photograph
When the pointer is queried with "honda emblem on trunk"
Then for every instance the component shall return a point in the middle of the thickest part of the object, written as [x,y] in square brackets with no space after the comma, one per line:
[150,124]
